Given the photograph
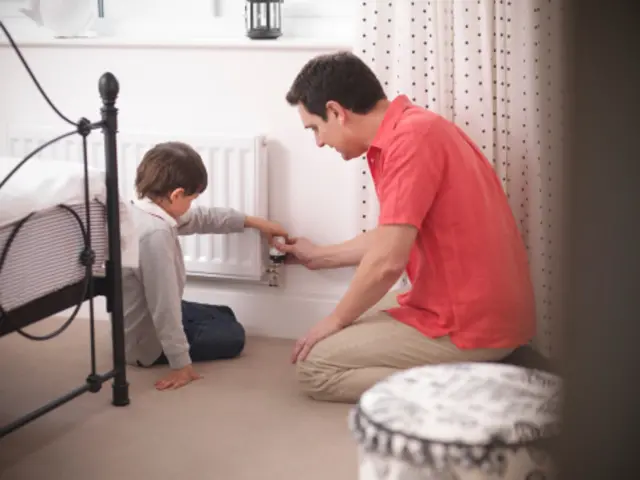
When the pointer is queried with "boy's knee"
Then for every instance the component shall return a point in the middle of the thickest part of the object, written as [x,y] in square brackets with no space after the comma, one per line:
[237,340]
[219,344]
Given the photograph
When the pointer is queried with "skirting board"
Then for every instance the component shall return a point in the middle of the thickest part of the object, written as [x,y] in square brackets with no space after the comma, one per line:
[266,314]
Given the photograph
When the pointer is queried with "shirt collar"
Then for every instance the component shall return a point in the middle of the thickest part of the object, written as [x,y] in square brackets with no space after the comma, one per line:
[392,116]
[149,206]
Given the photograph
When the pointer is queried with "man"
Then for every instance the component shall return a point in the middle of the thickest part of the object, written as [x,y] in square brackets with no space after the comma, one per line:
[444,219]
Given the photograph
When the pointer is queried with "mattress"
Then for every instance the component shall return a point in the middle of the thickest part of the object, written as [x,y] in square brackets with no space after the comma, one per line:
[44,255]
[39,185]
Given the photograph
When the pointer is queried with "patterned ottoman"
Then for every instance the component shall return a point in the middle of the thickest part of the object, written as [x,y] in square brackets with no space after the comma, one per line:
[458,422]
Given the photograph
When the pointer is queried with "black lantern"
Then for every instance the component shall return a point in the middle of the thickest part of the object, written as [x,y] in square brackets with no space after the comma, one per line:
[263,19]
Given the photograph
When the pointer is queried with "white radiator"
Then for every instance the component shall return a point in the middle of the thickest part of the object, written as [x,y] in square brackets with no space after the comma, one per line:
[237,178]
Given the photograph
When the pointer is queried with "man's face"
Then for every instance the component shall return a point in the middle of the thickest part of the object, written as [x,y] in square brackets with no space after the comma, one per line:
[335,132]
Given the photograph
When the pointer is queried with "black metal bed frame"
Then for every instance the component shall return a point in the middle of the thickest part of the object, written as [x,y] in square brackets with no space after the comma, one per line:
[110,286]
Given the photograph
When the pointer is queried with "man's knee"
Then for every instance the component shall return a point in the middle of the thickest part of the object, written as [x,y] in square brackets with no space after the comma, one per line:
[315,377]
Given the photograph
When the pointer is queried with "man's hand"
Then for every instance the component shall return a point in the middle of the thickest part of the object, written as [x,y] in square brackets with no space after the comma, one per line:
[323,329]
[268,228]
[178,378]
[301,250]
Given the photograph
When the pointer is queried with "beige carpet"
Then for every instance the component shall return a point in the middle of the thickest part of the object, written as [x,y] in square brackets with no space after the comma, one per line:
[243,420]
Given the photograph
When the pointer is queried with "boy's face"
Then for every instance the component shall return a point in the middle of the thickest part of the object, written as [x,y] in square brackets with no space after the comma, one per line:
[179,203]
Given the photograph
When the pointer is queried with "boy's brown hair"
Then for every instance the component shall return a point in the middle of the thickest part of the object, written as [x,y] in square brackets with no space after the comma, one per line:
[168,166]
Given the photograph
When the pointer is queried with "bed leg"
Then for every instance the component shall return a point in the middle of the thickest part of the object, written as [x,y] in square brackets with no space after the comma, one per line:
[109,89]
[120,385]
[120,390]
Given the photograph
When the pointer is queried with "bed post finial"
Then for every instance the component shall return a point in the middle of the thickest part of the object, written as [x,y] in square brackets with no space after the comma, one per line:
[109,88]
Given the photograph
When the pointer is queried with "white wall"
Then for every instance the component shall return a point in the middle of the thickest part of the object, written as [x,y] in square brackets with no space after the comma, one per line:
[209,86]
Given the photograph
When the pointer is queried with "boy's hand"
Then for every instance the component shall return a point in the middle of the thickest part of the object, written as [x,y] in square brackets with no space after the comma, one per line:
[178,378]
[267,227]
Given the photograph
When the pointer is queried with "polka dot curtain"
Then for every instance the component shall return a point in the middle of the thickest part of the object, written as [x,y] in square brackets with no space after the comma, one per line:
[493,67]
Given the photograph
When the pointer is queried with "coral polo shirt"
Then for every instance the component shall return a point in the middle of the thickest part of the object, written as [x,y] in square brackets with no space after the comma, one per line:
[468,267]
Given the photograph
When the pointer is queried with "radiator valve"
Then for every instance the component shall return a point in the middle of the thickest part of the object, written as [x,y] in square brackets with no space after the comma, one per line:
[276,259]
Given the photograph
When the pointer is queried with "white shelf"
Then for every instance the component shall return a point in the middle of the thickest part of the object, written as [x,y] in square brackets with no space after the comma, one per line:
[132,42]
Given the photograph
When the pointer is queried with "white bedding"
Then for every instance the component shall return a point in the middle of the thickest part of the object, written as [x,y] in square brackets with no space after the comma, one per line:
[41,184]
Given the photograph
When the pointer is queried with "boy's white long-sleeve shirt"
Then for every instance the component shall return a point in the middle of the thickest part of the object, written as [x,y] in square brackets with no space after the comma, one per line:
[152,293]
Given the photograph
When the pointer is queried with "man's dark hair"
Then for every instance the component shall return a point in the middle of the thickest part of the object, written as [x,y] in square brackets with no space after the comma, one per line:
[341,77]
[168,166]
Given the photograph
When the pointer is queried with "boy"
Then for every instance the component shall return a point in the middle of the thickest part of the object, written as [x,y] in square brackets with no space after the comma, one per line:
[160,328]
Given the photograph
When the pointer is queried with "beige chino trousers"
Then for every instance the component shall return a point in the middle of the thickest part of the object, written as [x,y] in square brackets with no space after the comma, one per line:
[343,366]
